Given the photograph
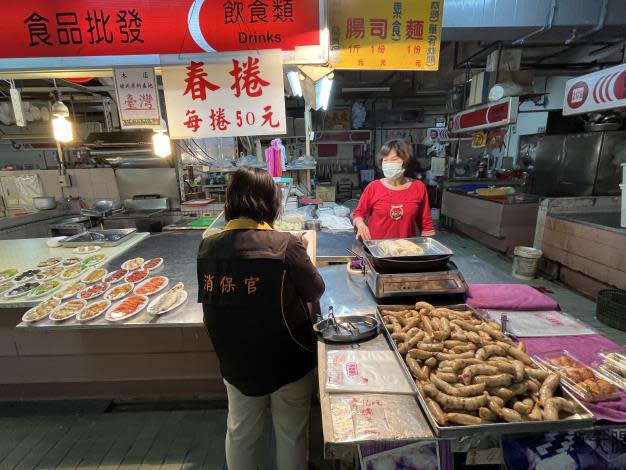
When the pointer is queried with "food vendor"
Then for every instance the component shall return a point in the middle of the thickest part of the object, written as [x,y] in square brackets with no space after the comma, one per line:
[254,283]
[394,206]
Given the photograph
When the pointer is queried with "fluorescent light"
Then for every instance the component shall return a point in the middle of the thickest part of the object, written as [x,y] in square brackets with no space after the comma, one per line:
[62,129]
[326,85]
[294,83]
[161,144]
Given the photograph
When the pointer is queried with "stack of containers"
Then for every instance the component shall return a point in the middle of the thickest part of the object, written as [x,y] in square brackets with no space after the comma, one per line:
[623,188]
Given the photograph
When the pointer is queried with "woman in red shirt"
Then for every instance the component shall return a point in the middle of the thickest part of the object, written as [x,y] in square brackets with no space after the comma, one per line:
[394,206]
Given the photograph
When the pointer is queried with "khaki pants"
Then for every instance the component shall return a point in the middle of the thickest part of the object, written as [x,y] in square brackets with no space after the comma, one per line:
[290,407]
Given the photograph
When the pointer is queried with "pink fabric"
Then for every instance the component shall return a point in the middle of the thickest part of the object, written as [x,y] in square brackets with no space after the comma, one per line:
[508,297]
[586,349]
[272,157]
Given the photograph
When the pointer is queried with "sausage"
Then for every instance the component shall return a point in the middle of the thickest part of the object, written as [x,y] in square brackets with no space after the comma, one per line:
[461,391]
[426,326]
[510,416]
[498,380]
[436,411]
[431,347]
[486,414]
[420,354]
[553,405]
[462,418]
[466,325]
[463,348]
[449,377]
[536,373]
[472,370]
[451,343]
[431,362]
[519,355]
[413,367]
[474,337]
[501,392]
[548,387]
[458,335]
[423,305]
[487,351]
[458,364]
[451,357]
[524,407]
[536,414]
[456,403]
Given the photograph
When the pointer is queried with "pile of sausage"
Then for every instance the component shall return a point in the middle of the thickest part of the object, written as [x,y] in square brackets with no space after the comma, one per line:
[469,372]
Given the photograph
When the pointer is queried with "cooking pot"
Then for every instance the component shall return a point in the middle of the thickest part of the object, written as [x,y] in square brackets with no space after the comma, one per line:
[44,203]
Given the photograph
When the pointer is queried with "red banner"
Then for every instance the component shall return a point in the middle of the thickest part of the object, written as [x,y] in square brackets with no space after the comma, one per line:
[74,28]
[499,114]
[597,91]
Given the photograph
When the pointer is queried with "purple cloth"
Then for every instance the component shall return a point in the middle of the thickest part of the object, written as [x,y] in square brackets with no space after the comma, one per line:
[508,297]
[585,348]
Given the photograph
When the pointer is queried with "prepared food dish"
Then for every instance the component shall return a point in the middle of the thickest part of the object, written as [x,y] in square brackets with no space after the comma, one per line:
[5,286]
[152,263]
[67,310]
[41,311]
[49,273]
[137,276]
[392,248]
[74,271]
[70,291]
[581,379]
[132,264]
[93,291]
[469,372]
[116,276]
[93,310]
[94,275]
[49,262]
[168,301]
[46,287]
[152,285]
[27,275]
[21,290]
[71,261]
[93,260]
[127,308]
[84,249]
[117,292]
[7,274]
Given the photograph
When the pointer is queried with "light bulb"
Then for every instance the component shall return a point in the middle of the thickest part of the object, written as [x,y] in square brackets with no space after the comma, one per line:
[62,129]
[161,144]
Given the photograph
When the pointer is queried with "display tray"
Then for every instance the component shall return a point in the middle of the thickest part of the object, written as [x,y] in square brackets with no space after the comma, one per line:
[432,249]
[584,418]
[99,237]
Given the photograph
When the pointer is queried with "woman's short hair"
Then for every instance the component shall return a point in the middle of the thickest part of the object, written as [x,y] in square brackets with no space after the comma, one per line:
[403,149]
[252,193]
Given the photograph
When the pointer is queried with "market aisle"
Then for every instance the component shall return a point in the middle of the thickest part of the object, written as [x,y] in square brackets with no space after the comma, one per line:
[137,440]
[576,305]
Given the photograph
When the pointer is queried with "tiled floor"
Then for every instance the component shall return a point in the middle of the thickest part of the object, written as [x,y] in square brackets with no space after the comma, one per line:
[68,437]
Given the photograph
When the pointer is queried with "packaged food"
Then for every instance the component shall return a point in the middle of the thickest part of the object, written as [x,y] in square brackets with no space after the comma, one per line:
[67,310]
[578,377]
[613,365]
[41,311]
[70,291]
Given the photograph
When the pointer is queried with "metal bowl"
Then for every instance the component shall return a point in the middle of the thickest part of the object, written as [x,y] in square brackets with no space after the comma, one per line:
[44,203]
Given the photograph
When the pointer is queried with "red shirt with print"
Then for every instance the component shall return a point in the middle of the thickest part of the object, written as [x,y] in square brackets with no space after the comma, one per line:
[395,212]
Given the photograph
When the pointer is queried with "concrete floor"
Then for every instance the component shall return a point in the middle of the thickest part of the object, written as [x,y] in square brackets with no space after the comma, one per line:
[83,436]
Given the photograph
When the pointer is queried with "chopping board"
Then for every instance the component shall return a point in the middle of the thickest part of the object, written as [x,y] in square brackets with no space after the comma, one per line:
[201,222]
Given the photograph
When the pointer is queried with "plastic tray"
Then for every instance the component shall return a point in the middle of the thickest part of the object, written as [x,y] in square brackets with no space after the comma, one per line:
[575,372]
[612,364]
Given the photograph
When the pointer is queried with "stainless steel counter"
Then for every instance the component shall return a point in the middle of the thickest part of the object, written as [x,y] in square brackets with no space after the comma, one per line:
[35,217]
[602,220]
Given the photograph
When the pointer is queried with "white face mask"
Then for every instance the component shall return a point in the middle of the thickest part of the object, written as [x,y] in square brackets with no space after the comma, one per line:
[393,170]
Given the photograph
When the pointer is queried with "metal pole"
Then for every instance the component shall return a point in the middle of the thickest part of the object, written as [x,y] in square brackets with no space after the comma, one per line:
[307,129]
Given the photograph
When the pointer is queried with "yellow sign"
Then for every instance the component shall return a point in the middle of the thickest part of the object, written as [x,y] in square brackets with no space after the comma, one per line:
[385,34]
[479,139]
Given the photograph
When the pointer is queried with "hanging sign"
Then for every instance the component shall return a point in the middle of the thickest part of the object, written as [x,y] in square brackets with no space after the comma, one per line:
[385,34]
[602,90]
[243,95]
[137,97]
[79,28]
[498,114]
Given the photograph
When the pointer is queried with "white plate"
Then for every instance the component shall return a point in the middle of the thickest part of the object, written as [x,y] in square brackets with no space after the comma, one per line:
[59,258]
[181,300]
[84,276]
[145,281]
[78,296]
[25,318]
[7,296]
[107,302]
[79,273]
[106,294]
[67,297]
[84,302]
[139,309]
[12,286]
[44,279]
[4,279]
[130,273]
[125,264]
[86,249]
[158,265]
[117,280]
[65,266]
[50,291]
[91,264]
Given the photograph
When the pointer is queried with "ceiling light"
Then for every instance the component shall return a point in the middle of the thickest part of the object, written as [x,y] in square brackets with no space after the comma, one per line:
[61,126]
[325,85]
[294,83]
[162,144]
